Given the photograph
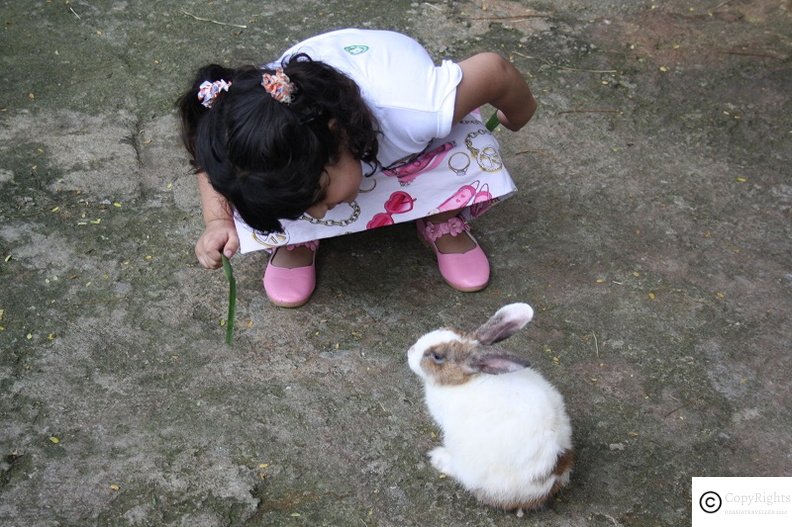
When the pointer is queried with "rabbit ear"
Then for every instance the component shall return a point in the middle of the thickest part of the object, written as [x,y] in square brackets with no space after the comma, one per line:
[496,363]
[507,321]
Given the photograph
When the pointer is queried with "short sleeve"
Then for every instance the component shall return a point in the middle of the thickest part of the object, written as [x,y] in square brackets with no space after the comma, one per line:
[422,111]
[411,97]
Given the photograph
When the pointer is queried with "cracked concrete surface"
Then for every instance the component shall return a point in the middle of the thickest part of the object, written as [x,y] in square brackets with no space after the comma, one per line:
[651,233]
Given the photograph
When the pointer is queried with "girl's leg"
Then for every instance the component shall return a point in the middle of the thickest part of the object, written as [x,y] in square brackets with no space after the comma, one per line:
[298,256]
[448,243]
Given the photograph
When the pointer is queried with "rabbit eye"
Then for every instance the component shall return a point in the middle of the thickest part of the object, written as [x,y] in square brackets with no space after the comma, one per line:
[437,358]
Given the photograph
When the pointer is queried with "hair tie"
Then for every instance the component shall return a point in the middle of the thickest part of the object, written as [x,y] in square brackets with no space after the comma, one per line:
[278,85]
[208,91]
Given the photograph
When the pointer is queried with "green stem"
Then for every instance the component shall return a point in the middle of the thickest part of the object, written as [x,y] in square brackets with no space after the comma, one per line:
[229,273]
[493,122]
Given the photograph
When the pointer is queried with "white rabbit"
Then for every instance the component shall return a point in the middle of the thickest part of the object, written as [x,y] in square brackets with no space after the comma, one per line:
[506,435]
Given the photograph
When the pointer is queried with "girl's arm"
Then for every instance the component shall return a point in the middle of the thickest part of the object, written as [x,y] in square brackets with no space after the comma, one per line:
[488,78]
[219,234]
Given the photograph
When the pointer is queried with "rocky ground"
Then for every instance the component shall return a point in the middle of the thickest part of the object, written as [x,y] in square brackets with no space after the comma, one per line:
[651,233]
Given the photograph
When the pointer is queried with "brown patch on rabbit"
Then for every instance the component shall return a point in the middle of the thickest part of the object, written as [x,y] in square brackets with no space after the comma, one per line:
[444,362]
[565,461]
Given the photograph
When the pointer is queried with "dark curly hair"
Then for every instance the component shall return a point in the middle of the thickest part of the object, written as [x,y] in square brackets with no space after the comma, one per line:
[265,157]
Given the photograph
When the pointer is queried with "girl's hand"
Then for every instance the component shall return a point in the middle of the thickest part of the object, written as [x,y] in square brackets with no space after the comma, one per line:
[220,236]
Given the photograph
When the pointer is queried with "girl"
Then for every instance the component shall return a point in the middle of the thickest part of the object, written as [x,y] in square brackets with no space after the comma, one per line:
[296,136]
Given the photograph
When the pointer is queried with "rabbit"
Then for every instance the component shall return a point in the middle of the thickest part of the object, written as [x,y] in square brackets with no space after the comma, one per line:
[507,437]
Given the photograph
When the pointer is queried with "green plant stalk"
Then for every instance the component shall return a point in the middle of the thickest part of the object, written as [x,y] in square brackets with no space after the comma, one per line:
[229,274]
[493,122]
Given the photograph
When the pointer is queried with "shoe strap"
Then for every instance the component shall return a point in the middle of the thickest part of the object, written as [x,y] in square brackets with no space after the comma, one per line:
[311,244]
[453,226]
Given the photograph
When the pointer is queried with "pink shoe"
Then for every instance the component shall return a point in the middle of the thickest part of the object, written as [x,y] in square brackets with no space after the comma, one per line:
[291,287]
[468,271]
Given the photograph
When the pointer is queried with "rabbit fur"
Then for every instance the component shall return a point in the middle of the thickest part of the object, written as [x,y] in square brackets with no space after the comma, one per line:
[507,437]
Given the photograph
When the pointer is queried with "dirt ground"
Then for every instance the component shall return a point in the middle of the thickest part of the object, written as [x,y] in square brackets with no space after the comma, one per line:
[652,233]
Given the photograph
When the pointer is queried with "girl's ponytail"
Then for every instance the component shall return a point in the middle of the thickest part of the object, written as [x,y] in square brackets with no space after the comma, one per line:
[193,104]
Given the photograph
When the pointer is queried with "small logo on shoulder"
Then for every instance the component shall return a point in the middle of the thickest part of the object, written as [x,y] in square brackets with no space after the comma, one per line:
[357,49]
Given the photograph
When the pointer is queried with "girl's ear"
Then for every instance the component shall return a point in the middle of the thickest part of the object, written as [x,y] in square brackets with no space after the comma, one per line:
[337,131]
[507,321]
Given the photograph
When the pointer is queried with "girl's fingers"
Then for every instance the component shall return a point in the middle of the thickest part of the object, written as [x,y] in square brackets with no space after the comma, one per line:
[212,243]
[209,261]
[214,260]
[231,247]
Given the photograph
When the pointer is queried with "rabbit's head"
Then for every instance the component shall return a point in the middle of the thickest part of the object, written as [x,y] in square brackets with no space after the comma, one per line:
[446,357]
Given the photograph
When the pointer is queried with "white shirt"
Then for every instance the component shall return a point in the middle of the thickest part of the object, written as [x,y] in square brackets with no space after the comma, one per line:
[411,98]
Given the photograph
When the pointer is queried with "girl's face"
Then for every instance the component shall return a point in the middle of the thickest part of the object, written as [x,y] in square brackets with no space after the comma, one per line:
[339,183]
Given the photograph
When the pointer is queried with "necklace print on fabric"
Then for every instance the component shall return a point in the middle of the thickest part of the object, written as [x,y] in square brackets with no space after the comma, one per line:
[335,223]
[488,157]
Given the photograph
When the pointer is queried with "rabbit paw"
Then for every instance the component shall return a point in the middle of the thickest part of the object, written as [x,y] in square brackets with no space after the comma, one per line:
[441,460]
